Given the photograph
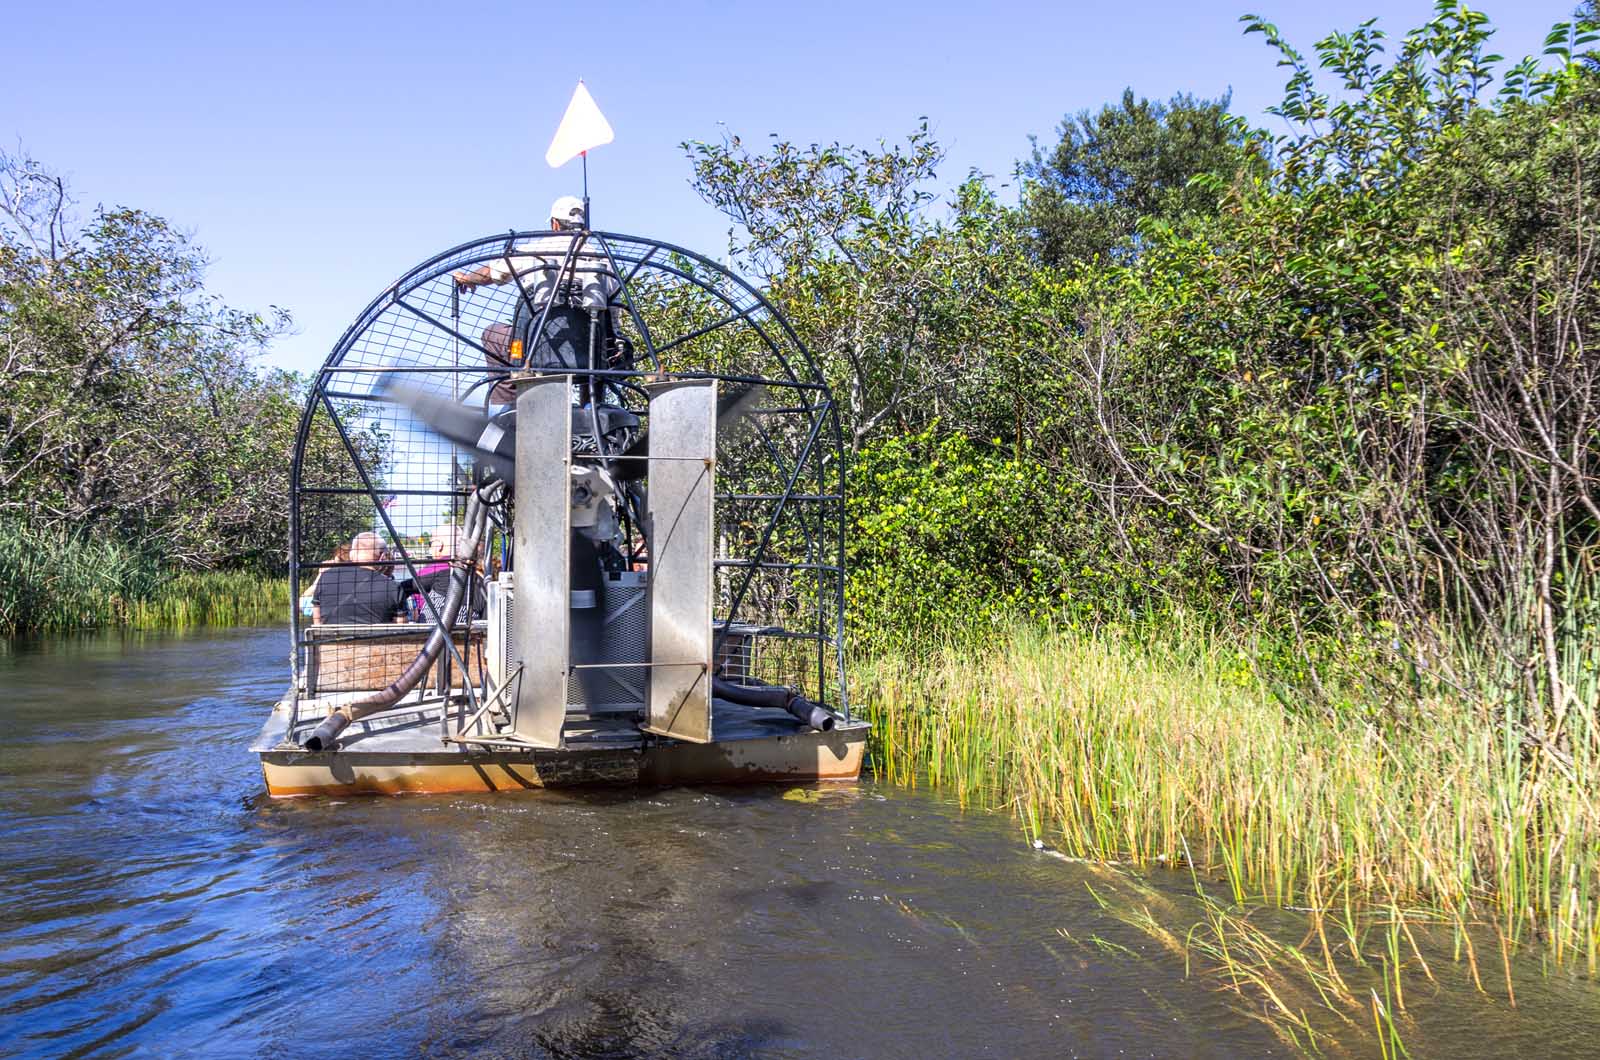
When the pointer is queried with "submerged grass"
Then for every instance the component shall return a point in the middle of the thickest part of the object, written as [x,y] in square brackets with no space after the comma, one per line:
[1167,751]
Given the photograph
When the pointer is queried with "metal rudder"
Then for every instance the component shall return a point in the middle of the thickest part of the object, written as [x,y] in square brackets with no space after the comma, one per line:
[541,535]
[683,446]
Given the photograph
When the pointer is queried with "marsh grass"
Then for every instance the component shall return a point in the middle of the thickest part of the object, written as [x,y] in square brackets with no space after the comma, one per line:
[1167,751]
[60,584]
[212,598]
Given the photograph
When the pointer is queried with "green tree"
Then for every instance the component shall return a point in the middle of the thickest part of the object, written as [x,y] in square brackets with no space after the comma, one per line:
[1129,161]
[1365,383]
[134,411]
[899,304]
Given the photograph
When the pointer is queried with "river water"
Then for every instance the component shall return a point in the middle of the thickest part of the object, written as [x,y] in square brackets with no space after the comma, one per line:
[156,902]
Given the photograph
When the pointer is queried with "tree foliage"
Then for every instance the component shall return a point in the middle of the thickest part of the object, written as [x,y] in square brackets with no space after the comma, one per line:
[1129,163]
[1366,379]
[133,409]
[900,305]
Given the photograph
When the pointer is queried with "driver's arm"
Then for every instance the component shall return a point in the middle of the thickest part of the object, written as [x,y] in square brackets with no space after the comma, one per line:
[466,278]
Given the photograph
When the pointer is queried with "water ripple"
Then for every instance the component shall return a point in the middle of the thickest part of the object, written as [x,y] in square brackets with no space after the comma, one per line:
[154,901]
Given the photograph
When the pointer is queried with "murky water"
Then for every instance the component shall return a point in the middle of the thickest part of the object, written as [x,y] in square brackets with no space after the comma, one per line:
[153,901]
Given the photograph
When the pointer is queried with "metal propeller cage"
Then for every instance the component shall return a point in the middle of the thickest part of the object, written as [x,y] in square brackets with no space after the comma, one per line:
[364,463]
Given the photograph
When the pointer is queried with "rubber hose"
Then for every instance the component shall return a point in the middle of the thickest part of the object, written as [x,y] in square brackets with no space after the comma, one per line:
[777,696]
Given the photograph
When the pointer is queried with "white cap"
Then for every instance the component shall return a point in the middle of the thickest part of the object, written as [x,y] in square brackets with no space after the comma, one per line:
[568,210]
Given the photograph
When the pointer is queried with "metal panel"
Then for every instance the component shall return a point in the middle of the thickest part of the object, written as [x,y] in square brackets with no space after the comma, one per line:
[497,648]
[683,446]
[542,538]
[619,688]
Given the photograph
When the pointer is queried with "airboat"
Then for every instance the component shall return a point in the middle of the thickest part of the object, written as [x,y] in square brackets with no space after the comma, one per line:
[623,474]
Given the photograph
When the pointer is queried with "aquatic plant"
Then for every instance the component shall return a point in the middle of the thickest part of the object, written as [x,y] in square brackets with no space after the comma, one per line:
[59,583]
[212,598]
[1167,749]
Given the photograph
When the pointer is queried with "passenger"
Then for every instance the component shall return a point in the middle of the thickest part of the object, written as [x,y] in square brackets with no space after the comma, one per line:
[341,554]
[448,551]
[536,266]
[361,595]
[442,545]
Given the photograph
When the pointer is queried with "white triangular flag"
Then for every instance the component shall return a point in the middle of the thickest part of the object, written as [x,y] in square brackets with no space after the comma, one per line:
[582,128]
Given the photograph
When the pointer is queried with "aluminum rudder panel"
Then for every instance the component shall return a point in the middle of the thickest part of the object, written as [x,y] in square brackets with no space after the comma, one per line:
[683,446]
[541,535]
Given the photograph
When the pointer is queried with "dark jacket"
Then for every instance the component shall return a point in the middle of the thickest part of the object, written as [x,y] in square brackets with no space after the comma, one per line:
[358,596]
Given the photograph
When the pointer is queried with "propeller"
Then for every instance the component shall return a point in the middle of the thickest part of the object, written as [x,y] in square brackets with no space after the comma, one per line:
[493,439]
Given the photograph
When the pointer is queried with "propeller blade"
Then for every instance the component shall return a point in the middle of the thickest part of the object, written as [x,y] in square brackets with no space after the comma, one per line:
[732,405]
[735,402]
[464,425]
[495,439]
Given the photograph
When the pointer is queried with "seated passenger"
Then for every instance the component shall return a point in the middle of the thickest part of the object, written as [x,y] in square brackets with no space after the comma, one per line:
[447,549]
[442,544]
[362,595]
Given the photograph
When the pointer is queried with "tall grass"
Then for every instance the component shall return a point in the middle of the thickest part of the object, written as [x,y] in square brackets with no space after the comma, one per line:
[212,598]
[53,583]
[1158,750]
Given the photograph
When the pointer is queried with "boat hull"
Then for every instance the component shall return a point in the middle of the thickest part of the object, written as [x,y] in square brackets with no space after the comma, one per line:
[405,755]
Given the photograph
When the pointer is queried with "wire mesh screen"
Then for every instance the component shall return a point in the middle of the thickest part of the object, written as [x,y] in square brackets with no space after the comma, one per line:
[379,514]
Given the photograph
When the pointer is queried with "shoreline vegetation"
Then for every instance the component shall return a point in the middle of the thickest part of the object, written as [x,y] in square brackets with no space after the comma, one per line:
[55,584]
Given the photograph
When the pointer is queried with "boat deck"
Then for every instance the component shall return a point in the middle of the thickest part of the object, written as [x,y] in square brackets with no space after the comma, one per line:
[405,750]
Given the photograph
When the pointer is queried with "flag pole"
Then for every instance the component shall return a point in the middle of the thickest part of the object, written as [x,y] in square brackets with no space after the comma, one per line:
[582,128]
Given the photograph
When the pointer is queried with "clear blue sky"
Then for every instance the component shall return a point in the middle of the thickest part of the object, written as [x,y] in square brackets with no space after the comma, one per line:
[318,151]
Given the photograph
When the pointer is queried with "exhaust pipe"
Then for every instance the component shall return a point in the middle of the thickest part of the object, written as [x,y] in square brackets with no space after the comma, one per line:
[776,696]
[324,736]
[810,713]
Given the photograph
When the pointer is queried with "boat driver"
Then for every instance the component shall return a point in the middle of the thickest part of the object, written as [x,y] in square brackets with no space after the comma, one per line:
[587,284]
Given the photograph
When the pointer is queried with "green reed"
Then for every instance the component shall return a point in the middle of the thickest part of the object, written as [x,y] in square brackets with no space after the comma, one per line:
[1123,748]
[212,598]
[51,583]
